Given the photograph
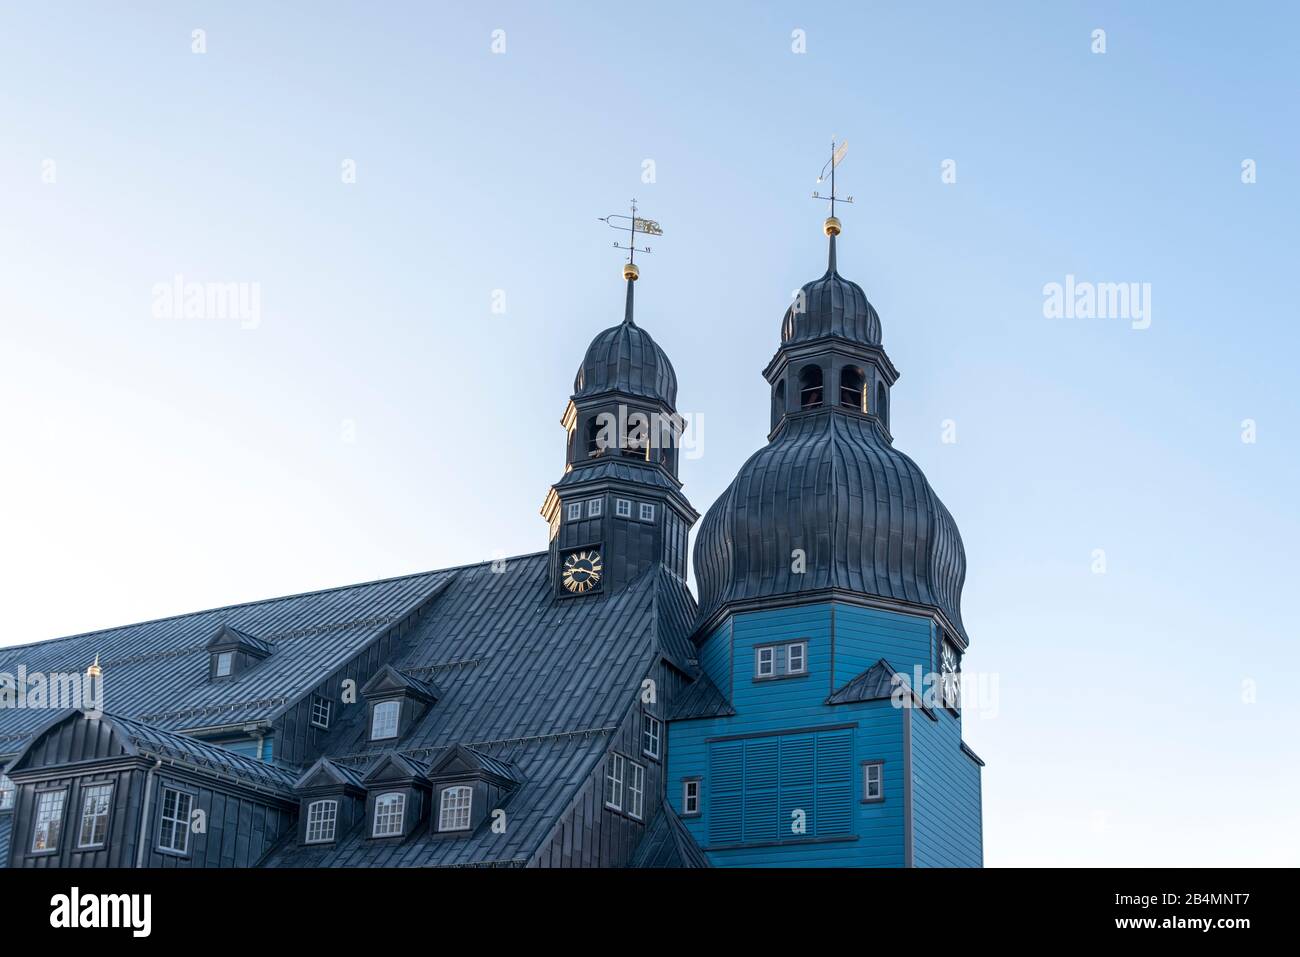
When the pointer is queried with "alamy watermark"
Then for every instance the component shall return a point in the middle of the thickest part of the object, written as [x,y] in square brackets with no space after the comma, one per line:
[1130,301]
[178,299]
[55,690]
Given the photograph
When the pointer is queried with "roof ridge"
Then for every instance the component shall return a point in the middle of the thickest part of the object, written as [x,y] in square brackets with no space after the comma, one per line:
[266,601]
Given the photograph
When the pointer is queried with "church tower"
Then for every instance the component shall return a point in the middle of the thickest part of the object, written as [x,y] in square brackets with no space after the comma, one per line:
[619,508]
[826,728]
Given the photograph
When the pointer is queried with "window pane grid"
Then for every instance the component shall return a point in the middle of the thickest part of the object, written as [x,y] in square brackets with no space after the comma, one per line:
[455,811]
[322,818]
[174,832]
[384,720]
[94,815]
[389,810]
[49,820]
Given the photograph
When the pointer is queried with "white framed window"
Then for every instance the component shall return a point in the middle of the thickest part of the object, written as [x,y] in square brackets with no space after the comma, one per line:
[390,809]
[796,658]
[623,507]
[320,711]
[614,782]
[95,801]
[651,736]
[691,796]
[574,511]
[322,819]
[383,720]
[647,512]
[594,507]
[174,825]
[765,662]
[48,825]
[454,811]
[636,790]
[224,662]
[7,792]
[873,781]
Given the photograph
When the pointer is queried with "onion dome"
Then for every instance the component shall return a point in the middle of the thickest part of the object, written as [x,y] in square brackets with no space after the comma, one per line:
[831,306]
[624,358]
[861,511]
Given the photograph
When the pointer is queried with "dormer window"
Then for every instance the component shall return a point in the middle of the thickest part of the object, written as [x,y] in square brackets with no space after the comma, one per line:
[322,819]
[397,702]
[384,720]
[390,813]
[232,652]
[456,804]
[7,791]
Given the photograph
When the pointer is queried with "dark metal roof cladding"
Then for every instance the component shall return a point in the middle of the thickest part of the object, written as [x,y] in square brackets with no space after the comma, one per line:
[668,844]
[874,684]
[830,483]
[831,306]
[624,358]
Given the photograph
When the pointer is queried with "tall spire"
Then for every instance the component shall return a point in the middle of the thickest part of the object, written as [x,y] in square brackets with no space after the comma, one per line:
[630,275]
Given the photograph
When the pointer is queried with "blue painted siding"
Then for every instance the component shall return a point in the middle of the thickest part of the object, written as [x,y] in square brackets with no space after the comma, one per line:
[785,749]
[865,635]
[946,803]
[715,657]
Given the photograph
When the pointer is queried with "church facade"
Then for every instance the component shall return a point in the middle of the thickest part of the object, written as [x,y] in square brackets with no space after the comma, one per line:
[575,707]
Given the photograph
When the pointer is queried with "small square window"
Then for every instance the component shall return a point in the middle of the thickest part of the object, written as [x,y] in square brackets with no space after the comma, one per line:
[594,506]
[651,736]
[690,797]
[647,512]
[796,658]
[873,781]
[224,662]
[623,508]
[320,712]
[765,663]
[574,511]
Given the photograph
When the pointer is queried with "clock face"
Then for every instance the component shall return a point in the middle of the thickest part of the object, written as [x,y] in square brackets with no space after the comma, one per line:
[582,571]
[951,678]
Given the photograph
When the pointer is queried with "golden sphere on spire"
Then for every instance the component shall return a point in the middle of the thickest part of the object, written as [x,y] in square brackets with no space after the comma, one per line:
[630,271]
[831,226]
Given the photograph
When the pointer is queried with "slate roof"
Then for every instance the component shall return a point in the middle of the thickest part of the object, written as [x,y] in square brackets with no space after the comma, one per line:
[667,843]
[534,682]
[178,749]
[700,699]
[832,484]
[871,685]
[157,671]
[624,358]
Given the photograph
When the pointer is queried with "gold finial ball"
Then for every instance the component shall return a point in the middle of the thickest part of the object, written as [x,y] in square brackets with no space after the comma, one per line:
[630,271]
[831,226]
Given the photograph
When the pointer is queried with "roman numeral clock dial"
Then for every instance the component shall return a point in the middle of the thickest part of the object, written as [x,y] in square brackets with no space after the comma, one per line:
[582,571]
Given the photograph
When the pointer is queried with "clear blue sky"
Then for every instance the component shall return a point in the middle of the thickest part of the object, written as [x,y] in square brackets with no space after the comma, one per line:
[156,466]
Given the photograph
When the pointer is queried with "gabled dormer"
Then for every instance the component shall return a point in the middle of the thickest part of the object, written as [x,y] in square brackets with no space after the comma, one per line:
[231,652]
[397,701]
[332,799]
[397,795]
[467,786]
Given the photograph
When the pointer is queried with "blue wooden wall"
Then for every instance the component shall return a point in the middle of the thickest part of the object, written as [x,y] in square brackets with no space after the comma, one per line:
[787,750]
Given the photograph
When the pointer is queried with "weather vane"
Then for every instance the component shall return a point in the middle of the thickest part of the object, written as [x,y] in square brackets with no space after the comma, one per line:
[832,225]
[634,224]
